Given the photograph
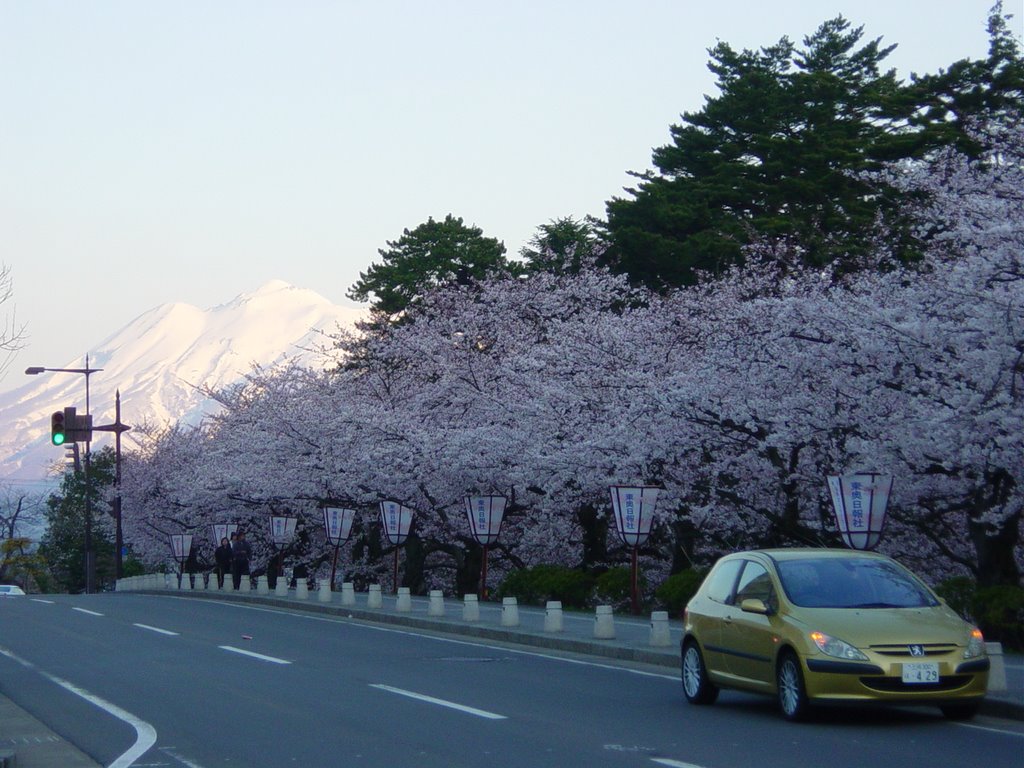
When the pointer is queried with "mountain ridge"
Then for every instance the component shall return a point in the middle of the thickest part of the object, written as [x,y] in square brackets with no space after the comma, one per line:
[161,362]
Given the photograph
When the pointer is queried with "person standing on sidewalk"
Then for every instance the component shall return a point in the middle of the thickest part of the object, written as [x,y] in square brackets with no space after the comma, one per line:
[222,556]
[241,551]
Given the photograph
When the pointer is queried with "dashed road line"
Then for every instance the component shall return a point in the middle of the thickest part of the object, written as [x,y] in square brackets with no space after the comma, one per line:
[260,656]
[441,702]
[86,610]
[156,629]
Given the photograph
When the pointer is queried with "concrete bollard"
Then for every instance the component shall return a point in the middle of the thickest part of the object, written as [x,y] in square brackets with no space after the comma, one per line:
[281,587]
[604,623]
[404,602]
[374,599]
[325,594]
[229,583]
[245,585]
[348,593]
[262,587]
[302,589]
[509,612]
[997,672]
[659,629]
[553,617]
[212,586]
[200,582]
[186,582]
[436,605]
[470,608]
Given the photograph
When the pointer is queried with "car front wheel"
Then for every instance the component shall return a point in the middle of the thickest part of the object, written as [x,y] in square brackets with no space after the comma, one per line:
[696,685]
[789,680]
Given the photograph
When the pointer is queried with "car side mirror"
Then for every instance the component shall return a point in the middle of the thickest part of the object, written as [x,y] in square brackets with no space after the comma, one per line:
[755,605]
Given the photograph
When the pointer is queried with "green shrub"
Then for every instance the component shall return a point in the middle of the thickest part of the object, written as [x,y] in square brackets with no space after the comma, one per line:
[675,592]
[999,612]
[613,587]
[958,592]
[537,585]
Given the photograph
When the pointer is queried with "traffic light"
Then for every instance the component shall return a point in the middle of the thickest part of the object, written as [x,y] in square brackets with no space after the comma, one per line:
[58,429]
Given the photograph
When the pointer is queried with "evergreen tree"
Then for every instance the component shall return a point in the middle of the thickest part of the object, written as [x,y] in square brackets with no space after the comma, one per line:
[434,253]
[780,155]
[63,544]
[562,246]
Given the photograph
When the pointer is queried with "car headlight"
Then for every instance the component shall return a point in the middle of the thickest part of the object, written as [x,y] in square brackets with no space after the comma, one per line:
[833,646]
[975,644]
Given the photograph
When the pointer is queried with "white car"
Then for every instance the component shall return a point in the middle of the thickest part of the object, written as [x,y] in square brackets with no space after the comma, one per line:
[9,590]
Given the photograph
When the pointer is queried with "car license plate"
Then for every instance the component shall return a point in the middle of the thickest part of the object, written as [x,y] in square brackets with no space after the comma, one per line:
[921,672]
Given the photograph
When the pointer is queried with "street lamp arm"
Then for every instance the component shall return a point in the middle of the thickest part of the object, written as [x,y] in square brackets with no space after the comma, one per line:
[37,369]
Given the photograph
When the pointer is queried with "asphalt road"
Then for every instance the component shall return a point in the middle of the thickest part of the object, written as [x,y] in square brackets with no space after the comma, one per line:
[149,680]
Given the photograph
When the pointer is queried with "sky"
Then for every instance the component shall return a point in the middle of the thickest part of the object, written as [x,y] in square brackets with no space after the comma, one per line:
[189,151]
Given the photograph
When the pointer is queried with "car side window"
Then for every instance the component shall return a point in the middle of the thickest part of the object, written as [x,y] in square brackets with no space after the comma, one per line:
[755,583]
[722,580]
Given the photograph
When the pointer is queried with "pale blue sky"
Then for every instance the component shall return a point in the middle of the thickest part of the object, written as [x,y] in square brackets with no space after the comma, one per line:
[153,152]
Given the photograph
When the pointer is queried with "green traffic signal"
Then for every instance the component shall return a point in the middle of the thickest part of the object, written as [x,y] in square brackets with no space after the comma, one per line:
[58,432]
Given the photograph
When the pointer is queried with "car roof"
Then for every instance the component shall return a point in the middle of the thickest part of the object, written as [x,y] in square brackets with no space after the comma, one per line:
[811,553]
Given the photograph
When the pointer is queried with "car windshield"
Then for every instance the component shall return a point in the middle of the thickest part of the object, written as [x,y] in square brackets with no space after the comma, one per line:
[851,583]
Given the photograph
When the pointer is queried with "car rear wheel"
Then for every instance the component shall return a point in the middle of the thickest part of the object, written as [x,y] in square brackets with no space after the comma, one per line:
[696,685]
[963,711]
[789,681]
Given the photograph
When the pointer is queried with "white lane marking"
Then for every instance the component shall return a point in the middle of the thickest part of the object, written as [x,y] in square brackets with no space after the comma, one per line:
[440,702]
[673,763]
[184,761]
[145,734]
[990,729]
[85,610]
[362,623]
[155,629]
[259,656]
[40,600]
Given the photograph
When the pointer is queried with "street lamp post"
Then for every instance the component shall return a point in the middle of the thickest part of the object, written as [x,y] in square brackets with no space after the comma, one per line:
[90,564]
[634,513]
[338,527]
[485,514]
[397,521]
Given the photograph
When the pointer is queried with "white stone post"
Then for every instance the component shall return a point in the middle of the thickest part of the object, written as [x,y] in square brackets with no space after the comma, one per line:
[281,587]
[509,612]
[325,591]
[470,608]
[302,588]
[553,616]
[436,606]
[262,587]
[374,599]
[997,672]
[404,602]
[659,629]
[604,623]
[348,593]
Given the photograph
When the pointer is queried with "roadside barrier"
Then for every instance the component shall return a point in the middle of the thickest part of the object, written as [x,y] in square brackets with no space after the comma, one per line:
[553,621]
[997,672]
[302,589]
[659,629]
[348,593]
[374,599]
[509,612]
[470,608]
[325,591]
[281,587]
[403,604]
[262,588]
[604,623]
[436,605]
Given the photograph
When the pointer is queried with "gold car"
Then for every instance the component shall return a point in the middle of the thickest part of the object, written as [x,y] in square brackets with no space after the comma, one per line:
[816,626]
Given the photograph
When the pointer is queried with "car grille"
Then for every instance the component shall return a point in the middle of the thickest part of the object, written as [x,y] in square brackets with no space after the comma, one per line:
[894,684]
[935,649]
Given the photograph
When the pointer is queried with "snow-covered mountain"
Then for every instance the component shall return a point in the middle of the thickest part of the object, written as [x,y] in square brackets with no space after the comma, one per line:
[160,362]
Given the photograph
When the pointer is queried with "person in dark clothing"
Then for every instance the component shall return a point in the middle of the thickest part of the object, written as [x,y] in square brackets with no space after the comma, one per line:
[222,556]
[240,554]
